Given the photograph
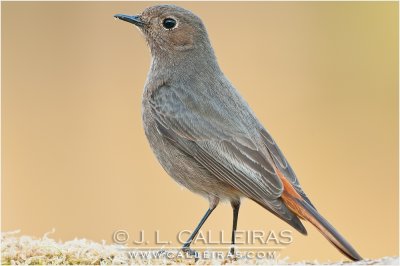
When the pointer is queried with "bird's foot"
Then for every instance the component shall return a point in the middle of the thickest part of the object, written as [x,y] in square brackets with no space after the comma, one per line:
[232,254]
[191,252]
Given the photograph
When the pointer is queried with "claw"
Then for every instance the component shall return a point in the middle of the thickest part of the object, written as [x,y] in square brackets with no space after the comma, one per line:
[232,254]
[191,252]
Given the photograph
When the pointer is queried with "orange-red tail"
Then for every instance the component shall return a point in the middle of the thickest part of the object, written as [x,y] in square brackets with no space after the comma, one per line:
[304,210]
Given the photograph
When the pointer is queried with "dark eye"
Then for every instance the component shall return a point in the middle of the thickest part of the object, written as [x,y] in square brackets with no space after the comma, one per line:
[169,23]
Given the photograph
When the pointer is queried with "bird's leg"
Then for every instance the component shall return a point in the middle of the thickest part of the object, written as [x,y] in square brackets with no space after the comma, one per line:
[186,245]
[235,208]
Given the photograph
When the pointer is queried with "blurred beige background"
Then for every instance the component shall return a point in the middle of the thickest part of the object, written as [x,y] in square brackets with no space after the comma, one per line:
[322,77]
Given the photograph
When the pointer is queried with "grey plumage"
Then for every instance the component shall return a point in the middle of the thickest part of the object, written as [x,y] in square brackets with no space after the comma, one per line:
[201,130]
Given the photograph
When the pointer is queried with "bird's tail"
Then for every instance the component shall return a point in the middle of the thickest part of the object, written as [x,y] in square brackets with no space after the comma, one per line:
[307,212]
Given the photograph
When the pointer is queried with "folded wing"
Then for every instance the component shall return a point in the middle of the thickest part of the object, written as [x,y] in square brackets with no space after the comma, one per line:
[224,146]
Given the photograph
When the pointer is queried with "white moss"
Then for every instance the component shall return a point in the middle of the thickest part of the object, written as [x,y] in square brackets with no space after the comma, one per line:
[28,250]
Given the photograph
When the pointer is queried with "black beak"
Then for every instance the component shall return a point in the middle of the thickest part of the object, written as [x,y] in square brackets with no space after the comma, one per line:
[131,19]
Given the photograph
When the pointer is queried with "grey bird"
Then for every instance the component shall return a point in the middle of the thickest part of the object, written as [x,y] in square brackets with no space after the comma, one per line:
[205,135]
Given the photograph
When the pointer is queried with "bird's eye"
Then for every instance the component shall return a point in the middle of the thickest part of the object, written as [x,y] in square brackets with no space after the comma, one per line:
[169,23]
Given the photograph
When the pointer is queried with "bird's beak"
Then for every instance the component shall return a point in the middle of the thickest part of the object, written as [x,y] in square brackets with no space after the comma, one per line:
[131,19]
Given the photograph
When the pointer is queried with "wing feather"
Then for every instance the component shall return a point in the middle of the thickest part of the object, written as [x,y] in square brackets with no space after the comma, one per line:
[224,146]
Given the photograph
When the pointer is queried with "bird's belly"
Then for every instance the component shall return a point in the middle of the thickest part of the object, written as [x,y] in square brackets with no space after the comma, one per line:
[183,168]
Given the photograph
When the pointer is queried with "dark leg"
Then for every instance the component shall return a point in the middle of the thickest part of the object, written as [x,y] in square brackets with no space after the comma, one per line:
[213,205]
[235,207]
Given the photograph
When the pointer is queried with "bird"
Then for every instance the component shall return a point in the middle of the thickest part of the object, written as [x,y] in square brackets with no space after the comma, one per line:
[206,136]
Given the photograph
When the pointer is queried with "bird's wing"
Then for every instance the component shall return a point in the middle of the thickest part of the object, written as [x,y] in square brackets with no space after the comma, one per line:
[282,164]
[222,145]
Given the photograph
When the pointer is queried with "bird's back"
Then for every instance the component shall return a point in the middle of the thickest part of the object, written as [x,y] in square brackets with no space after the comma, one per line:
[202,111]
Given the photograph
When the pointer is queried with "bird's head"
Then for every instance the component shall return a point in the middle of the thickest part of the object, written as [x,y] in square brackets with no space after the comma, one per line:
[169,28]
